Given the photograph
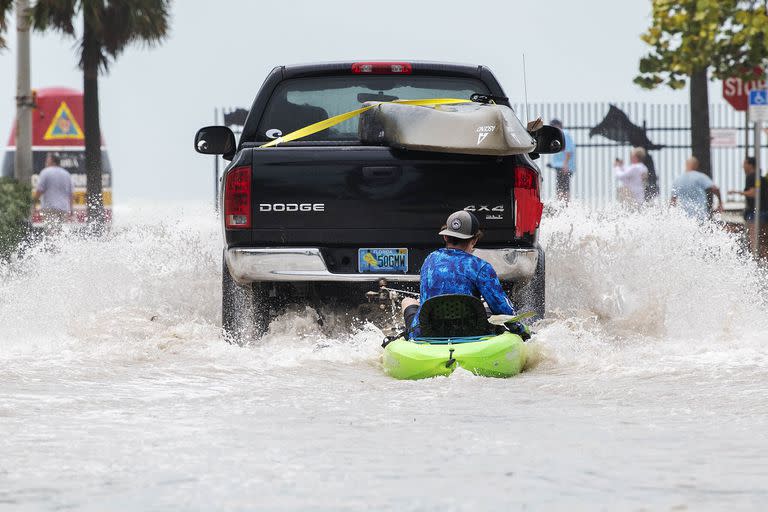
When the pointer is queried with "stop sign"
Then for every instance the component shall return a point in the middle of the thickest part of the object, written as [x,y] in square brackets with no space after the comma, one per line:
[736,90]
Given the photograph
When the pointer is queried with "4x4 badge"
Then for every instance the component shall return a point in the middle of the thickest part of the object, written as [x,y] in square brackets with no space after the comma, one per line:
[484,208]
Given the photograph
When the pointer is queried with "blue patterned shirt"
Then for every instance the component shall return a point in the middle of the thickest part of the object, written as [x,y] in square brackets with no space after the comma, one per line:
[453,271]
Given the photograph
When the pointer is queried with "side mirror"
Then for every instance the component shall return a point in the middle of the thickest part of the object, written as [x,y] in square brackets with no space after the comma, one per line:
[548,140]
[216,140]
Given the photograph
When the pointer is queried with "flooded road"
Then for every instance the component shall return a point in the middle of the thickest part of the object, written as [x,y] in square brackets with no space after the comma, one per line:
[117,391]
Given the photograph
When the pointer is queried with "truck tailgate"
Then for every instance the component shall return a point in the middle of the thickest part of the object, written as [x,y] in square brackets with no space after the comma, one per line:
[375,195]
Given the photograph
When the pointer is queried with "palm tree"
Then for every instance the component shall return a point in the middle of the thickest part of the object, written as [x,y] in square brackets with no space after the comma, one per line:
[5,8]
[108,27]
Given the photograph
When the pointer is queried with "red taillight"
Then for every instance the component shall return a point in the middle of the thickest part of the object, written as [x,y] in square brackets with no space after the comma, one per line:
[237,198]
[382,68]
[525,178]
[528,206]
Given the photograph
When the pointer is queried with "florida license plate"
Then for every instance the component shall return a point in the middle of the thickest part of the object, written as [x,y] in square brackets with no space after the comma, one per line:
[391,261]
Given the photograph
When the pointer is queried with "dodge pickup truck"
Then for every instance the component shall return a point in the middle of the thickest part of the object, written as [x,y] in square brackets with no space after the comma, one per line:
[326,218]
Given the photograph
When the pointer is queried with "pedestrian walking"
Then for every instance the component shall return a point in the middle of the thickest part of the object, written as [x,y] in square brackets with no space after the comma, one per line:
[749,194]
[689,191]
[564,164]
[54,190]
[632,178]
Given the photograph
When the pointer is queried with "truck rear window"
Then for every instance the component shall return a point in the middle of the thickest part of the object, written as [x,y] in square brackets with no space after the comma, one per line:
[299,102]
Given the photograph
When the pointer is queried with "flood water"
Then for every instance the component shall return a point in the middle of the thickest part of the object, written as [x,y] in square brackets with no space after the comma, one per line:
[649,390]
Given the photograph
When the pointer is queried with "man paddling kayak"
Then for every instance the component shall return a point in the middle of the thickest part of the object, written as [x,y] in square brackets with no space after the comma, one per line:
[454,270]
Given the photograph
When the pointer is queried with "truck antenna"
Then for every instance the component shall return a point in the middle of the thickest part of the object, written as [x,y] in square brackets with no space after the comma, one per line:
[525,89]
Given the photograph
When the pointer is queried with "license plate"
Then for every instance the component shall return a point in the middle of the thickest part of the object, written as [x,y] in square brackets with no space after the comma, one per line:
[393,261]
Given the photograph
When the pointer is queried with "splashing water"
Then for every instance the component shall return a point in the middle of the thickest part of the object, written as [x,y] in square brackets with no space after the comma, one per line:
[653,282]
[118,391]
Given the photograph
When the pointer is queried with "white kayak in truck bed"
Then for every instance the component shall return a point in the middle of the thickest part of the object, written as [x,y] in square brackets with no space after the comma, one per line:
[468,128]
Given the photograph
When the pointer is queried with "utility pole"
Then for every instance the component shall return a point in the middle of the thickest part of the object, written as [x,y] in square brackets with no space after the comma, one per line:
[23,156]
[758,180]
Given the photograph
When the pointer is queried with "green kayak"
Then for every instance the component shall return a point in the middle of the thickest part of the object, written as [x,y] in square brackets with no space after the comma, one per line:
[503,355]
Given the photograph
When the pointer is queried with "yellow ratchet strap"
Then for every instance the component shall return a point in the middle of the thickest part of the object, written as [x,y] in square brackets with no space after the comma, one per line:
[333,121]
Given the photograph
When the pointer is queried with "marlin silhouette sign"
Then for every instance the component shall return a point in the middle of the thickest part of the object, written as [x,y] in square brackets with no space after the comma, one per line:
[617,127]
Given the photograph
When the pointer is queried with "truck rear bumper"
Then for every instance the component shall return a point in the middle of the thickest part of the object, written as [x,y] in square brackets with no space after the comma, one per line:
[248,265]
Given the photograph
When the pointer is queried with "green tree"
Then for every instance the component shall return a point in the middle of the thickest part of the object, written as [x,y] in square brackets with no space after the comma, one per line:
[5,7]
[699,39]
[108,27]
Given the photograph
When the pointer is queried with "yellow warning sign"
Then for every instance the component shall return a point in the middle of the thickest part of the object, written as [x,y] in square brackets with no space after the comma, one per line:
[64,125]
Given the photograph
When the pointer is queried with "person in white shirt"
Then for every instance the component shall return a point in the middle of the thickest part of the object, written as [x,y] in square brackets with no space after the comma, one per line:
[632,177]
[54,190]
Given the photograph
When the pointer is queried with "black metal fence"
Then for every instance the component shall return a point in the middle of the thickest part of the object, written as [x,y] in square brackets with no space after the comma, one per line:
[665,125]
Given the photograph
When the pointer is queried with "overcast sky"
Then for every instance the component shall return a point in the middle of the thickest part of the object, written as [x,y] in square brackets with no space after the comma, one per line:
[218,53]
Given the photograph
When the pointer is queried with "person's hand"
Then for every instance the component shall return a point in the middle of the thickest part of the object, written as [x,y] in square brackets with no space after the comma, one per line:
[618,162]
[520,329]
[409,301]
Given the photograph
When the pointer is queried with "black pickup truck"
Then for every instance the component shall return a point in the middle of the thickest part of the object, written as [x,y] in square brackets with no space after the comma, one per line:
[299,218]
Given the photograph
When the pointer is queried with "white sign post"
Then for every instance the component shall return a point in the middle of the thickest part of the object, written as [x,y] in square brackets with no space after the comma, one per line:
[758,112]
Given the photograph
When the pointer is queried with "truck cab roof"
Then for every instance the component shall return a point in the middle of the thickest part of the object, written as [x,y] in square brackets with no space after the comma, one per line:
[416,68]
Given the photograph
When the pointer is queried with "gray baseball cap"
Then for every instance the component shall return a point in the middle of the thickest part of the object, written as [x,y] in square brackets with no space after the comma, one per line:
[461,224]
